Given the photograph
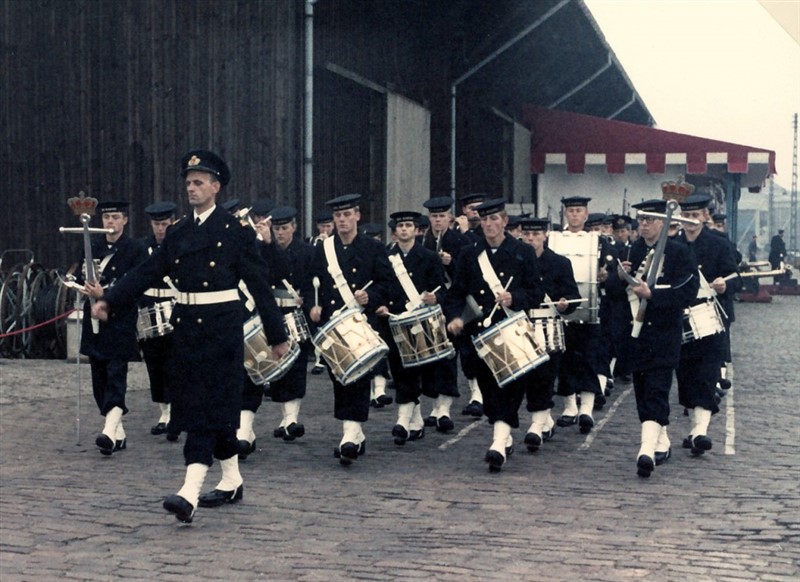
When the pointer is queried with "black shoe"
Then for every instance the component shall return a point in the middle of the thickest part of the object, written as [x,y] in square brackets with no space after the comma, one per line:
[348,452]
[160,428]
[474,408]
[218,497]
[384,399]
[687,442]
[495,461]
[294,431]
[644,466]
[118,446]
[279,432]
[609,387]
[316,370]
[661,458]
[430,421]
[375,404]
[725,384]
[415,435]
[105,444]
[599,401]
[548,434]
[565,420]
[509,451]
[533,441]
[245,448]
[400,435]
[183,510]
[444,424]
[586,423]
[173,436]
[701,444]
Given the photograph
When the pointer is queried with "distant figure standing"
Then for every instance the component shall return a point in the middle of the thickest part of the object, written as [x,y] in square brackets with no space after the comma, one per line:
[777,250]
[752,249]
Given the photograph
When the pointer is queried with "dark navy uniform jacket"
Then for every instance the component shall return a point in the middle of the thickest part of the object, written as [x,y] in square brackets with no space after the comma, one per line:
[146,300]
[558,278]
[659,342]
[299,256]
[117,337]
[512,258]
[452,243]
[426,272]
[362,261]
[208,342]
[734,285]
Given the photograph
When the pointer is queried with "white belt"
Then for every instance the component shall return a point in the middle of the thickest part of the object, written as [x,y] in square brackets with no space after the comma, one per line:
[160,293]
[286,302]
[207,297]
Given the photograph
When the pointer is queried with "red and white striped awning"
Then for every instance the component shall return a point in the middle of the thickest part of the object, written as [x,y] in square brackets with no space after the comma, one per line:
[573,140]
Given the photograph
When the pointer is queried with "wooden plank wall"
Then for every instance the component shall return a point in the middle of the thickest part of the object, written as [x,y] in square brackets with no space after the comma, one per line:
[106,95]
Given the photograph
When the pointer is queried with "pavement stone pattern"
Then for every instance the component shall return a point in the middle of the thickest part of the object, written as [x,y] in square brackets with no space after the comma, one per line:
[428,510]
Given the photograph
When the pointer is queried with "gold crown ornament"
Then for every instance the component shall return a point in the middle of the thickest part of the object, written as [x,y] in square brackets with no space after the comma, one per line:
[82,204]
[676,190]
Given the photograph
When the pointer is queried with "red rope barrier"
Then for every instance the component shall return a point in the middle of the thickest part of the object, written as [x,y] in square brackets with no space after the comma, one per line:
[38,325]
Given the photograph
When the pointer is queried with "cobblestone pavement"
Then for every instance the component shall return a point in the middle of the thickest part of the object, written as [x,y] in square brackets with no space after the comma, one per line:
[427,510]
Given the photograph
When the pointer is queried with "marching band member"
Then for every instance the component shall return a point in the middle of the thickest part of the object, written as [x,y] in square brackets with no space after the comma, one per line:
[495,258]
[114,346]
[290,390]
[700,359]
[259,217]
[360,260]
[584,364]
[206,256]
[469,223]
[655,352]
[447,243]
[425,271]
[558,282]
[156,350]
[621,317]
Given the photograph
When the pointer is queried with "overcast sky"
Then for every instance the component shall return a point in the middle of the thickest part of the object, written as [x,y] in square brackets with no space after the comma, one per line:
[721,69]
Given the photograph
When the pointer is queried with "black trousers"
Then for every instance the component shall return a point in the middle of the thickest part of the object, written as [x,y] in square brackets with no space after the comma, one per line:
[501,403]
[651,388]
[293,384]
[109,383]
[582,361]
[156,352]
[204,446]
[540,385]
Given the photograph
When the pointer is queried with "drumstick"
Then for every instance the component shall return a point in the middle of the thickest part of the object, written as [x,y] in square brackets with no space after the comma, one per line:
[290,289]
[487,322]
[315,282]
[365,287]
[547,303]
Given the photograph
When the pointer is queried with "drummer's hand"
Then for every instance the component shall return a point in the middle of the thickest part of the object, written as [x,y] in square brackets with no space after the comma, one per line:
[429,298]
[264,228]
[315,313]
[562,305]
[299,301]
[642,290]
[462,223]
[383,311]
[362,298]
[504,298]
[280,349]
[93,289]
[456,326]
[100,310]
[447,258]
[602,275]
[719,285]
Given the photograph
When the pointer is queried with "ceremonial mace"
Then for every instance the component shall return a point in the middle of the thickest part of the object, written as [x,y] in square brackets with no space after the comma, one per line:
[83,208]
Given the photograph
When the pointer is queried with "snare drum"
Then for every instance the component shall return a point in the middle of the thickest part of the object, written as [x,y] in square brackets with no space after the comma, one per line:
[510,349]
[349,345]
[296,325]
[421,336]
[548,330]
[701,321]
[259,360]
[153,321]
[583,251]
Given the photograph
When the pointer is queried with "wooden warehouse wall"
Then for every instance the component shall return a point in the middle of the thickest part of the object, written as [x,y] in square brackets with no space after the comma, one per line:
[106,95]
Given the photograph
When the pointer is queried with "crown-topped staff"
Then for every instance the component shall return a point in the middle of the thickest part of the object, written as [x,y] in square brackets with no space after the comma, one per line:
[83,207]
